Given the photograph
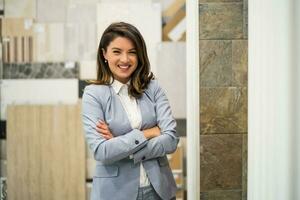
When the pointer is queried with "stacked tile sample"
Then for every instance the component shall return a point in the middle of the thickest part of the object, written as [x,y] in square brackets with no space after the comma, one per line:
[223,99]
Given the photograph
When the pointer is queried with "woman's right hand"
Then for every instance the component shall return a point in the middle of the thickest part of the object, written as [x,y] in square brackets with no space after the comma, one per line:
[152,132]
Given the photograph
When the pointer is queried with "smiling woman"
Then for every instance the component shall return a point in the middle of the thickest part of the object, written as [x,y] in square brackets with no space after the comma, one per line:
[128,122]
[121,58]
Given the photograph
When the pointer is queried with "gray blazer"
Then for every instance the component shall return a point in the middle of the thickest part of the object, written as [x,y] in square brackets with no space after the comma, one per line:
[116,175]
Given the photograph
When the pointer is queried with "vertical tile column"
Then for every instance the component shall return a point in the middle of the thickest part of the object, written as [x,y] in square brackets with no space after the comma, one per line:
[223,99]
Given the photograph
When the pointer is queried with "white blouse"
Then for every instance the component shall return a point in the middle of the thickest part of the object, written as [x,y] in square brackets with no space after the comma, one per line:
[134,115]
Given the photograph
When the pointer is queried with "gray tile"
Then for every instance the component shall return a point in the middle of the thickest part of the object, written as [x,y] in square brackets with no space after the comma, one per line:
[221,162]
[223,110]
[40,70]
[215,63]
[221,20]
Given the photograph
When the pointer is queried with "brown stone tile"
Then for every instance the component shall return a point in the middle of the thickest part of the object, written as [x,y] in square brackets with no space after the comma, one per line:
[239,63]
[223,110]
[221,195]
[221,20]
[215,63]
[245,19]
[244,166]
[218,1]
[220,162]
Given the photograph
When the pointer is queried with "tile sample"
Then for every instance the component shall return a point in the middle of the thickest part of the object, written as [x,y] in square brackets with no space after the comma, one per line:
[2,129]
[3,155]
[49,44]
[47,144]
[51,10]
[81,40]
[20,8]
[215,63]
[50,91]
[88,69]
[41,70]
[221,162]
[223,110]
[221,20]
[239,63]
[171,62]
[137,13]
[81,86]
[3,168]
[221,195]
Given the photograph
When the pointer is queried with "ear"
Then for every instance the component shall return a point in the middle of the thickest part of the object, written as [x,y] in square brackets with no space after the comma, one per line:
[104,53]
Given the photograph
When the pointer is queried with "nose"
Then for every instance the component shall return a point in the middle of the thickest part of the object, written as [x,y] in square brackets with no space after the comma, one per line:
[124,57]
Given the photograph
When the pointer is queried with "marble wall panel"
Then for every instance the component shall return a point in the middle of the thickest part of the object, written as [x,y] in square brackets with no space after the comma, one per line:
[49,44]
[215,63]
[145,15]
[88,69]
[171,74]
[223,110]
[81,42]
[51,10]
[50,91]
[221,162]
[41,71]
[20,8]
[239,62]
[221,20]
[221,195]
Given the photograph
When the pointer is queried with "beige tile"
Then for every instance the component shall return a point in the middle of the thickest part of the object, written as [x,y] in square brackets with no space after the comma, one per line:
[221,162]
[245,166]
[223,110]
[215,63]
[20,8]
[221,20]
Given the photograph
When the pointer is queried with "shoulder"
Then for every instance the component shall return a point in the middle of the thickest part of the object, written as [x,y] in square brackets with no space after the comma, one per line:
[153,88]
[96,91]
[153,85]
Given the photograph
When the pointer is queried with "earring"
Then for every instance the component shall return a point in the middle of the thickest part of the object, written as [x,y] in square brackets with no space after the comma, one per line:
[105,61]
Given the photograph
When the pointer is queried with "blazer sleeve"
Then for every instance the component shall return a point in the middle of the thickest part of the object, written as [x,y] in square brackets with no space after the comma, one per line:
[167,142]
[106,151]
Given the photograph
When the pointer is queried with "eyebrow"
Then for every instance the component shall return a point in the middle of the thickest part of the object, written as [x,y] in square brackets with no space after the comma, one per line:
[116,48]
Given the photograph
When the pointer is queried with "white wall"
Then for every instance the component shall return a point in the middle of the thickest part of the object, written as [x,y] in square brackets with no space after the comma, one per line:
[272,153]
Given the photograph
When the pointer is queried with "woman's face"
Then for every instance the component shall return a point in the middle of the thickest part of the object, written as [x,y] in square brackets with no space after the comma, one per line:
[122,58]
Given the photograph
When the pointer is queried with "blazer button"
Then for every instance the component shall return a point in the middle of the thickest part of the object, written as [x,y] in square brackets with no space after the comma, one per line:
[136,142]
[143,158]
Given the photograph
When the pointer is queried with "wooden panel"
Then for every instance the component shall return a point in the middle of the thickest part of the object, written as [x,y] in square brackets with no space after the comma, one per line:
[46,152]
[17,27]
[174,8]
[172,24]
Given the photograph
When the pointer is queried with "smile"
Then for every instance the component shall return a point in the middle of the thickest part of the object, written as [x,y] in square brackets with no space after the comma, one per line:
[124,66]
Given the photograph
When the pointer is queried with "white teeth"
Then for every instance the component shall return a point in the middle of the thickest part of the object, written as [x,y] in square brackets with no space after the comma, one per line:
[124,66]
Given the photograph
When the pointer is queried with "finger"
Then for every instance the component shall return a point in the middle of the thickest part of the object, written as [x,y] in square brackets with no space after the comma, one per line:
[107,136]
[103,131]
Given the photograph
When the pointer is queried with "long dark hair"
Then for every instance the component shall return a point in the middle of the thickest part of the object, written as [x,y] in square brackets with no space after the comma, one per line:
[142,76]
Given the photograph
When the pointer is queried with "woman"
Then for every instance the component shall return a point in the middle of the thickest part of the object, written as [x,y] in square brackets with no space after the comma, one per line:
[128,122]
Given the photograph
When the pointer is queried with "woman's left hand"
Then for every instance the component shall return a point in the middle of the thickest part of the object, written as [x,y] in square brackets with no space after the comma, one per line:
[103,129]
